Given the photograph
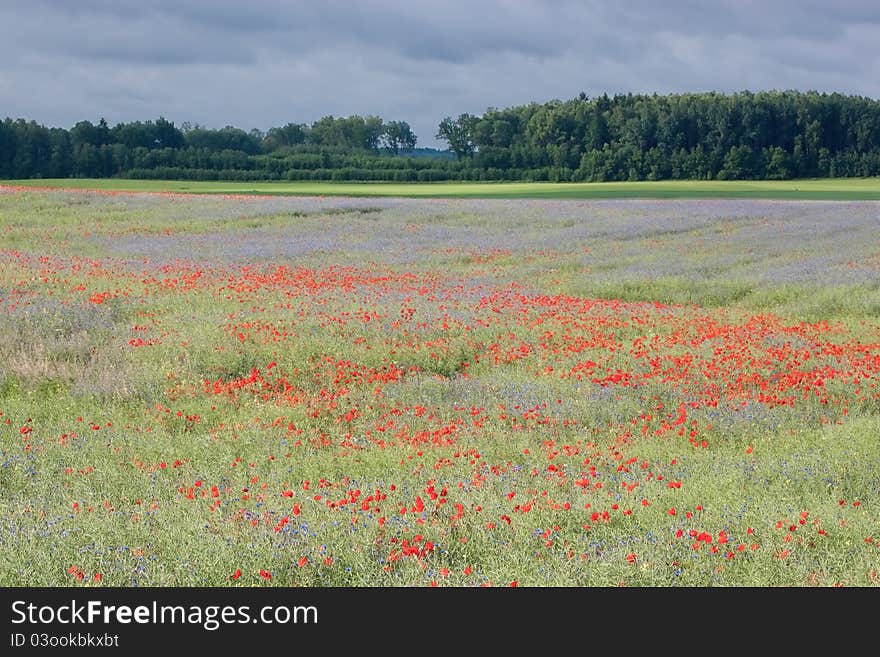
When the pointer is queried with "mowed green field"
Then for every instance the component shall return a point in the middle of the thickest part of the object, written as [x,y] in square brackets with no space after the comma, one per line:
[817,189]
[236,390]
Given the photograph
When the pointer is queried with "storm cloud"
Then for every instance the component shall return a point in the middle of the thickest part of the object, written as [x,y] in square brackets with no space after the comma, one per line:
[265,63]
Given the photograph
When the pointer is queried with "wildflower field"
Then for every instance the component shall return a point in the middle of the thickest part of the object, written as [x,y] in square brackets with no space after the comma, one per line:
[363,392]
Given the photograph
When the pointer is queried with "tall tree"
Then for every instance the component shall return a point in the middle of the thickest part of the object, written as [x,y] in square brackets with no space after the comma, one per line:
[398,135]
[290,134]
[458,133]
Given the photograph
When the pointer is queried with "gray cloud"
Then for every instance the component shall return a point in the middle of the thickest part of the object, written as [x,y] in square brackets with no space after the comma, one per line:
[266,62]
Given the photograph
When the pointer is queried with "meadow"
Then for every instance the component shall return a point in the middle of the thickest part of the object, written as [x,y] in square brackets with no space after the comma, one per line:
[240,390]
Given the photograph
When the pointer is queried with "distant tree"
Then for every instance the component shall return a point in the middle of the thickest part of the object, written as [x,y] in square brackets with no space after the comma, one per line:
[60,157]
[398,135]
[371,132]
[778,164]
[132,135]
[161,134]
[103,132]
[349,132]
[7,149]
[326,131]
[30,159]
[458,133]
[85,132]
[228,138]
[291,134]
[166,135]
[738,164]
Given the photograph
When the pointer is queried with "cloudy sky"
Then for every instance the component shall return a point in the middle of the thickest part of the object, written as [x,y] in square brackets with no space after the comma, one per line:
[263,63]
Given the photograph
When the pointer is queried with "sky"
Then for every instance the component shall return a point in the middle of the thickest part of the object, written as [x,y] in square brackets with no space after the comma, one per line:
[264,63]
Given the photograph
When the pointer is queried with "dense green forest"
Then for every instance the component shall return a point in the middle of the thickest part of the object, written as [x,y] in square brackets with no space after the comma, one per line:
[765,135]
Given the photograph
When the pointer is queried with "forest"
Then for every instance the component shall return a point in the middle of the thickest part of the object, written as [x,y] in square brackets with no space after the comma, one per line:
[770,135]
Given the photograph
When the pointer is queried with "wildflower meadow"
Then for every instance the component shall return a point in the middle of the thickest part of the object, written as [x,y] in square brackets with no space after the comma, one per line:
[233,390]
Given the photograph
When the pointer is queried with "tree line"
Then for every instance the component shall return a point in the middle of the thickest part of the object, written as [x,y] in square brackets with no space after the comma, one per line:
[766,135]
[745,135]
[156,148]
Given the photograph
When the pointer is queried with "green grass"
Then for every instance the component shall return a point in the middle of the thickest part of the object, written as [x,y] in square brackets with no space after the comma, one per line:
[862,189]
